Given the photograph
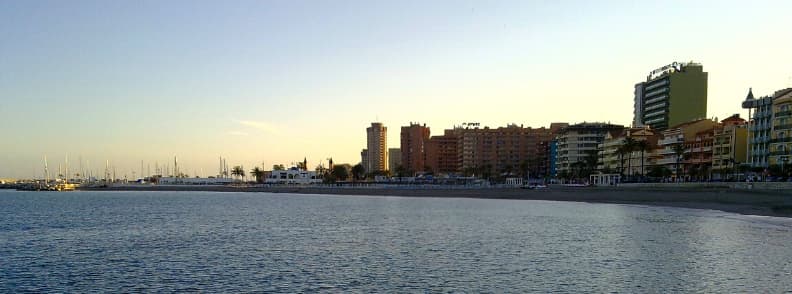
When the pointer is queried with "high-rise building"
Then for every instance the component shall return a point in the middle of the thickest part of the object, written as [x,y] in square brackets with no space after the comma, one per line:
[506,151]
[671,95]
[441,153]
[394,159]
[413,147]
[377,147]
[578,145]
[364,160]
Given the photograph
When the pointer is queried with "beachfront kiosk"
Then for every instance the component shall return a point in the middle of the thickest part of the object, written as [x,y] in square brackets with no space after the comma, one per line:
[605,179]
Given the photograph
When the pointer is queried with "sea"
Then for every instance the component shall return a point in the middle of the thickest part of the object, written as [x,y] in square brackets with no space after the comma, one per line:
[213,242]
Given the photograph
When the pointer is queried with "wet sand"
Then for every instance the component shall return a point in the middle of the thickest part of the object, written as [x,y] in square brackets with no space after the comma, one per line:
[742,201]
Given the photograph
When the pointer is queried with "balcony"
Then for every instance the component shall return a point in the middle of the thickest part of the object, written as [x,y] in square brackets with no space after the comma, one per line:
[784,113]
[656,106]
[655,100]
[779,153]
[669,141]
[781,140]
[656,92]
[667,161]
[657,84]
[783,127]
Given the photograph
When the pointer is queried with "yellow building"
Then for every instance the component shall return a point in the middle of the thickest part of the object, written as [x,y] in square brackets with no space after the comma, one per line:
[781,134]
[730,147]
[683,134]
[629,163]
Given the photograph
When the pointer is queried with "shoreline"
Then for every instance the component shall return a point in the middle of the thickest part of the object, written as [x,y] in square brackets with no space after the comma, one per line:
[747,202]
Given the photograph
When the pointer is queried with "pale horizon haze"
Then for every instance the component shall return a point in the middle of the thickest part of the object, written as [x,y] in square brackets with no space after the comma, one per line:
[269,82]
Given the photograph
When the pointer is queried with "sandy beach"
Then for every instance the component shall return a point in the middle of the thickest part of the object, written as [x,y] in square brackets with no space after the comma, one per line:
[742,201]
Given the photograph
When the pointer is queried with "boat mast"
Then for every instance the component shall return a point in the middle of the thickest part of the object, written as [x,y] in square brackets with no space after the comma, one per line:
[46,171]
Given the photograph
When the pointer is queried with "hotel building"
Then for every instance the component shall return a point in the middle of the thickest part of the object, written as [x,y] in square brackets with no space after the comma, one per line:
[671,95]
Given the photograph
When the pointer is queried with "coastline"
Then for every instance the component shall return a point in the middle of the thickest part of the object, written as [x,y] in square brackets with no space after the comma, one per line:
[748,202]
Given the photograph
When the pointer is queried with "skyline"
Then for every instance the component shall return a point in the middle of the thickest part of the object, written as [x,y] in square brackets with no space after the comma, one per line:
[277,82]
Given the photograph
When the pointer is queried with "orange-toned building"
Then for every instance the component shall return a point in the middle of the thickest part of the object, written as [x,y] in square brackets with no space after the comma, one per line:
[504,151]
[441,153]
[413,147]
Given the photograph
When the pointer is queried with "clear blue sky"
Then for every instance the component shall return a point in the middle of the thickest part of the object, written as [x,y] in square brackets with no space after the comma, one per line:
[275,81]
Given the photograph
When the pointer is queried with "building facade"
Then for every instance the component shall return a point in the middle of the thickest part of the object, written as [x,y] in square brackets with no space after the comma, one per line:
[730,148]
[413,147]
[760,114]
[364,159]
[377,147]
[578,143]
[394,159]
[505,151]
[441,153]
[615,158]
[293,176]
[780,143]
[671,95]
[688,136]
[765,127]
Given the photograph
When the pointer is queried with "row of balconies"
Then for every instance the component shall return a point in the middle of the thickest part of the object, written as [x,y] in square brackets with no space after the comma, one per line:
[782,127]
[763,113]
[777,153]
[760,139]
[655,92]
[784,113]
[781,140]
[656,99]
[656,106]
[670,141]
[657,84]
[761,126]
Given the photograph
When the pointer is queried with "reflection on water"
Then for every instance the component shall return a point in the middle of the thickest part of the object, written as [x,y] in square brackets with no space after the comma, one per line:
[212,242]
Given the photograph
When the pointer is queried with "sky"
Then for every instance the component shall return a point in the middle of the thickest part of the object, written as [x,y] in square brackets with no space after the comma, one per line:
[273,82]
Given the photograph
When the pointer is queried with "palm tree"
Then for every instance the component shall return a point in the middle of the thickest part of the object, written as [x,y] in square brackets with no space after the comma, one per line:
[642,146]
[524,167]
[340,172]
[258,173]
[621,151]
[357,171]
[591,160]
[679,150]
[237,171]
[629,147]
